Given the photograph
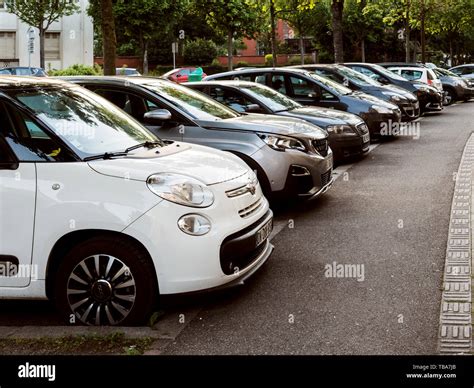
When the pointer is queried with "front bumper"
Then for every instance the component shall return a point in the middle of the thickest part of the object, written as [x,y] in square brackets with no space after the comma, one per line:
[431,102]
[346,146]
[377,122]
[410,110]
[185,263]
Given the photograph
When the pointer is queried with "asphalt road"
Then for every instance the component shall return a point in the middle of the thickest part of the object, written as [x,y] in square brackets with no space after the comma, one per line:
[390,212]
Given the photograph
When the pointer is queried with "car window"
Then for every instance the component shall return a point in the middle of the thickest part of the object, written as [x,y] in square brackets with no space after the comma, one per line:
[22,71]
[229,97]
[29,142]
[261,79]
[365,71]
[278,83]
[411,75]
[431,75]
[5,71]
[301,87]
[277,102]
[330,75]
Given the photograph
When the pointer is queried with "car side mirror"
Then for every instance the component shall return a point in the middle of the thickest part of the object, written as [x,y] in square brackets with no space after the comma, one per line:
[253,108]
[157,116]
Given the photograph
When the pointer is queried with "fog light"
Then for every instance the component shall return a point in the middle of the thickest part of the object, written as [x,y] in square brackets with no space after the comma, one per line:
[194,224]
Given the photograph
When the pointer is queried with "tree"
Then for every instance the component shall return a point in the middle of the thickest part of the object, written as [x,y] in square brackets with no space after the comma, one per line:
[337,7]
[235,18]
[41,14]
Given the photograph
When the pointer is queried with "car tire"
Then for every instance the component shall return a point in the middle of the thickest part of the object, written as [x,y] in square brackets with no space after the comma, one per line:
[450,97]
[106,281]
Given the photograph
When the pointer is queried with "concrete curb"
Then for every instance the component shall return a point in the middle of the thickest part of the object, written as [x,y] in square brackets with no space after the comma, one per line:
[455,333]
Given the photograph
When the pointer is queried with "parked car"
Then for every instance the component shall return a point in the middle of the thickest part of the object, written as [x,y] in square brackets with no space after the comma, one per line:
[348,133]
[181,74]
[456,88]
[128,71]
[465,71]
[110,215]
[405,100]
[308,88]
[23,71]
[291,157]
[430,98]
[418,73]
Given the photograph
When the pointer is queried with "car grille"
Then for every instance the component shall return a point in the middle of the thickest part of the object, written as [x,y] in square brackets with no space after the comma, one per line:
[326,177]
[251,209]
[362,128]
[321,146]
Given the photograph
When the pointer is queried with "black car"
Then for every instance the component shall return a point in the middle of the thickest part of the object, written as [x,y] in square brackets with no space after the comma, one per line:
[308,88]
[405,100]
[23,71]
[348,134]
[429,97]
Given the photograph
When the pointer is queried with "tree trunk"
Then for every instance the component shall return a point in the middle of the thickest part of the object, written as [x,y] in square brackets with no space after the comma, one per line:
[302,49]
[145,57]
[273,33]
[362,50]
[423,48]
[230,50]
[451,50]
[407,34]
[337,7]
[108,37]
[41,37]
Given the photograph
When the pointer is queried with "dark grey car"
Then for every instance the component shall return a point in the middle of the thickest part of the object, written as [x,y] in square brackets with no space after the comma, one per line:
[455,87]
[348,133]
[291,157]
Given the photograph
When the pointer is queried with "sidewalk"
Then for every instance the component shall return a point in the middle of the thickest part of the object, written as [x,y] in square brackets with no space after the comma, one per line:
[455,336]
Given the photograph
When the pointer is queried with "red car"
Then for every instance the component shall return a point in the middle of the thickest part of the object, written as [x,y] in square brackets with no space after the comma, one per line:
[181,74]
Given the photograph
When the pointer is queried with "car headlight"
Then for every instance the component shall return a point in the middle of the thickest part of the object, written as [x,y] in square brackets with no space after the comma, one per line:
[181,189]
[346,129]
[393,96]
[282,143]
[421,88]
[381,109]
[194,224]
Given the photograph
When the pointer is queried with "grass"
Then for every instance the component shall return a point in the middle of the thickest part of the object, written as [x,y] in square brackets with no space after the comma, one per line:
[93,344]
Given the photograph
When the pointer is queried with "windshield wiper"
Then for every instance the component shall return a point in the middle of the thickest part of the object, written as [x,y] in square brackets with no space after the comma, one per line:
[106,155]
[148,144]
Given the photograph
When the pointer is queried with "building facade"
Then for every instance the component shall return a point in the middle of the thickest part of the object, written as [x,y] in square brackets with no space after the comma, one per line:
[68,41]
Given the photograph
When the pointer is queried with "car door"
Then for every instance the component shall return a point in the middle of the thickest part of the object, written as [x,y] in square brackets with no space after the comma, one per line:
[137,104]
[233,98]
[23,144]
[304,91]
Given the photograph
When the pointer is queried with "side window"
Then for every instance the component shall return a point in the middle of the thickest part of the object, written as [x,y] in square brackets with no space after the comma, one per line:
[369,73]
[230,98]
[133,105]
[27,140]
[278,83]
[261,79]
[411,74]
[301,87]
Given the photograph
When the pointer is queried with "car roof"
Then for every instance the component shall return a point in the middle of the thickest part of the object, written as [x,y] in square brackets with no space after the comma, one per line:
[14,81]
[463,65]
[231,83]
[261,69]
[417,68]
[113,79]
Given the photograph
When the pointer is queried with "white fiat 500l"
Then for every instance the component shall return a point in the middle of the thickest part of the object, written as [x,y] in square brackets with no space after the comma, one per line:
[102,216]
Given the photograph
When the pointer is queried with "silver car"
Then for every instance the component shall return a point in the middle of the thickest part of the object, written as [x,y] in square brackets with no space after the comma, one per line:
[291,156]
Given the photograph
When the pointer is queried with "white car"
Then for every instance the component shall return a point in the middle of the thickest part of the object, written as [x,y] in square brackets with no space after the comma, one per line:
[422,74]
[102,216]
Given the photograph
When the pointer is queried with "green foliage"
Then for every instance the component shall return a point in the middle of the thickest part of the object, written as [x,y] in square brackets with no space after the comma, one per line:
[242,64]
[268,59]
[78,70]
[199,52]
[296,60]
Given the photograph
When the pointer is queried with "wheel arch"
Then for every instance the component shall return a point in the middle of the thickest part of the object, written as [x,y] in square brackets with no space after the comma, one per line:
[67,242]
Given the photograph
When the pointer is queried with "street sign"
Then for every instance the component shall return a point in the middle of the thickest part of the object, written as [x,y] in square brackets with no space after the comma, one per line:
[174,47]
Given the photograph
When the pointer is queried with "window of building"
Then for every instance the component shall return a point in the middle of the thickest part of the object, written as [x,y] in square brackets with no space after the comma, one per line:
[7,45]
[52,46]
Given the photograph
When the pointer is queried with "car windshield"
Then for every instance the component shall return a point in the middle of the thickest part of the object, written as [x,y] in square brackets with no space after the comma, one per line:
[333,86]
[196,104]
[388,73]
[88,123]
[356,77]
[277,102]
[440,72]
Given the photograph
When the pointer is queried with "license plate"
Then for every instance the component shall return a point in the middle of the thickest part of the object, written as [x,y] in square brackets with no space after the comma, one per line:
[366,137]
[263,233]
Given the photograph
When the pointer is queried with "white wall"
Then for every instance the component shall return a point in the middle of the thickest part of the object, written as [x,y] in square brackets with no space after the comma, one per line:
[76,42]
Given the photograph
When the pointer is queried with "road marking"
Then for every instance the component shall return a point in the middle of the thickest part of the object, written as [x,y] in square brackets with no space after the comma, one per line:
[455,321]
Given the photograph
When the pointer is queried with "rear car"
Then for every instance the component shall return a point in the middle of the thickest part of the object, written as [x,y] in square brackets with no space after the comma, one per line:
[348,134]
[182,74]
[421,74]
[23,71]
[430,98]
[308,88]
[456,88]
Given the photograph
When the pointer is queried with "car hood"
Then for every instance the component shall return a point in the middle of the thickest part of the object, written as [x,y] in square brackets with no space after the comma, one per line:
[372,99]
[399,90]
[323,116]
[267,124]
[209,165]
